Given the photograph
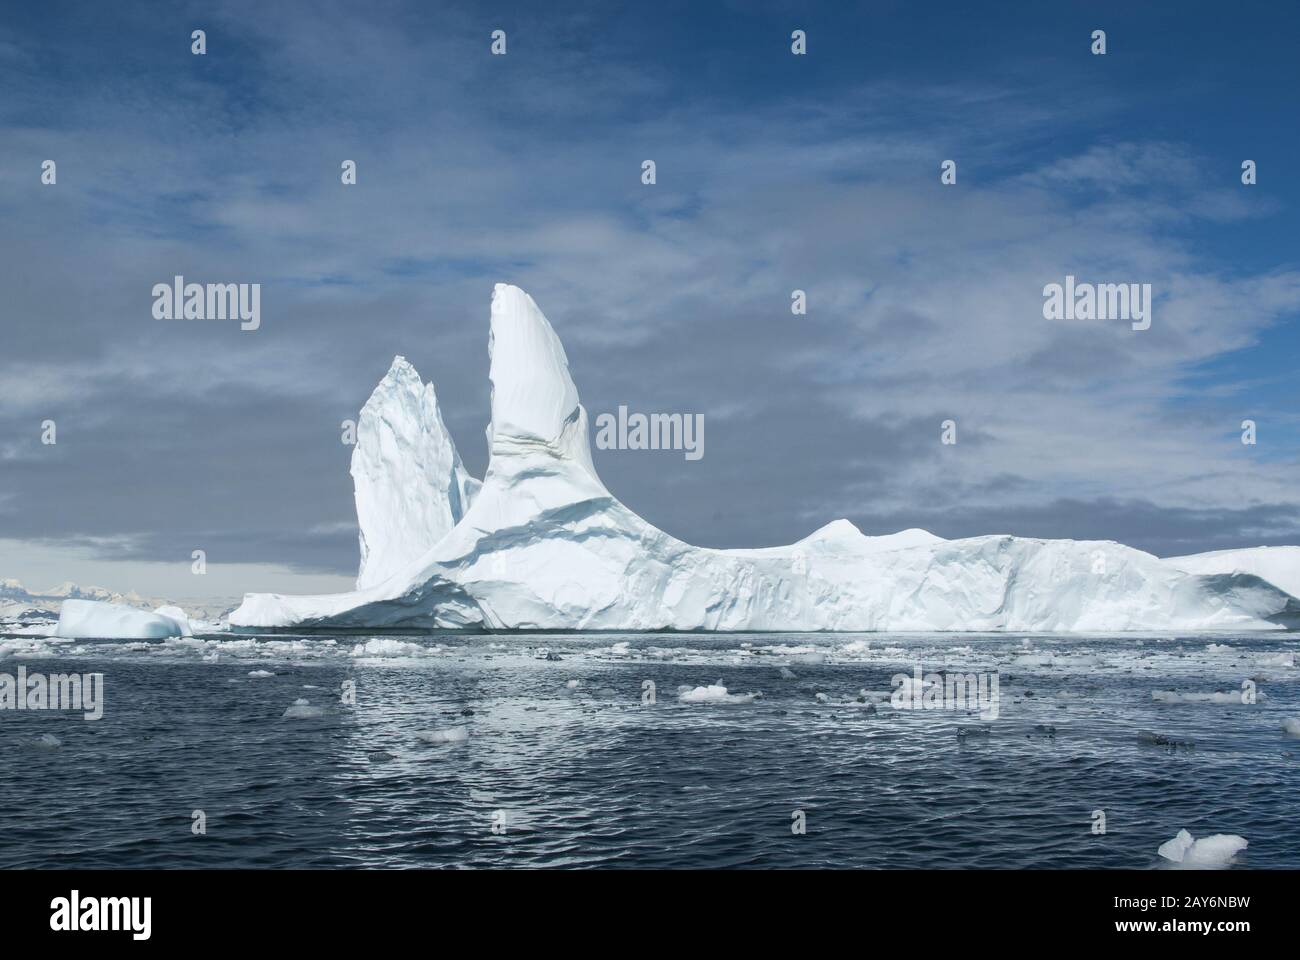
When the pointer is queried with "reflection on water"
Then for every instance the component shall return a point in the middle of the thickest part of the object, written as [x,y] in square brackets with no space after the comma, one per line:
[538,751]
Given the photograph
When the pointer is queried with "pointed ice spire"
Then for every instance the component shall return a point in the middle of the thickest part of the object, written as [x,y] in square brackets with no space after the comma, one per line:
[410,485]
[533,397]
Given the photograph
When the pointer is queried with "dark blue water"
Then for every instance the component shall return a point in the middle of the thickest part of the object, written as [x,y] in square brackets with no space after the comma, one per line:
[589,776]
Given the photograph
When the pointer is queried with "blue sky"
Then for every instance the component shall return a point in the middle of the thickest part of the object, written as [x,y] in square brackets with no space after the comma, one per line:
[775,172]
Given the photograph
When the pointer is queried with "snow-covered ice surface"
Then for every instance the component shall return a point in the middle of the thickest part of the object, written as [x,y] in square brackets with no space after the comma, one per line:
[597,776]
[542,544]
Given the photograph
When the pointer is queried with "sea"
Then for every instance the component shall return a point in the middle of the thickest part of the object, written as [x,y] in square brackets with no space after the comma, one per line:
[654,751]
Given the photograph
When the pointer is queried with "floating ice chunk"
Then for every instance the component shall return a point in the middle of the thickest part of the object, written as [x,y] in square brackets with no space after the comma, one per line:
[1283,659]
[857,648]
[1176,696]
[47,741]
[303,710]
[1207,853]
[98,620]
[449,735]
[260,673]
[573,684]
[388,647]
[1219,648]
[27,649]
[1292,726]
[787,674]
[715,693]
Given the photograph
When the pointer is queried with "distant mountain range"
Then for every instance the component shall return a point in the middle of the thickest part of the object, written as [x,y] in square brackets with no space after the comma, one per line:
[14,591]
[18,603]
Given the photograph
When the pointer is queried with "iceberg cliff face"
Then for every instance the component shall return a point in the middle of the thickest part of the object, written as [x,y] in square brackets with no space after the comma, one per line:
[544,545]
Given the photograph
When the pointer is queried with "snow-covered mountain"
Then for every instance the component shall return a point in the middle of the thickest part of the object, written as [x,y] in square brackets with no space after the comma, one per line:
[69,610]
[542,544]
[51,599]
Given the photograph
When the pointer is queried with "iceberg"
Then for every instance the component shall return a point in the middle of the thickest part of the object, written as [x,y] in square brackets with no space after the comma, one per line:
[411,488]
[541,544]
[99,620]
[1279,566]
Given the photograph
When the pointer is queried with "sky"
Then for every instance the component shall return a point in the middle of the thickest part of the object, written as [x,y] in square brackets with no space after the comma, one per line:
[774,172]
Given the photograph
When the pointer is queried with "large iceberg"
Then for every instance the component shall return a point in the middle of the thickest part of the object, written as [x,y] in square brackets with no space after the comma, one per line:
[543,545]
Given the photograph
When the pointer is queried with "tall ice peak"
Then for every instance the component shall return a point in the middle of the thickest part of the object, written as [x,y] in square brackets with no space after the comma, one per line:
[410,485]
[533,397]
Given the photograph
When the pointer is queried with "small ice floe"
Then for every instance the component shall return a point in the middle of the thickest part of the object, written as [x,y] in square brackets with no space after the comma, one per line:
[449,735]
[1219,696]
[865,700]
[714,693]
[857,648]
[47,741]
[1208,853]
[621,649]
[573,684]
[1219,648]
[388,647]
[261,673]
[27,649]
[1052,660]
[787,674]
[303,710]
[1283,659]
[1291,726]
